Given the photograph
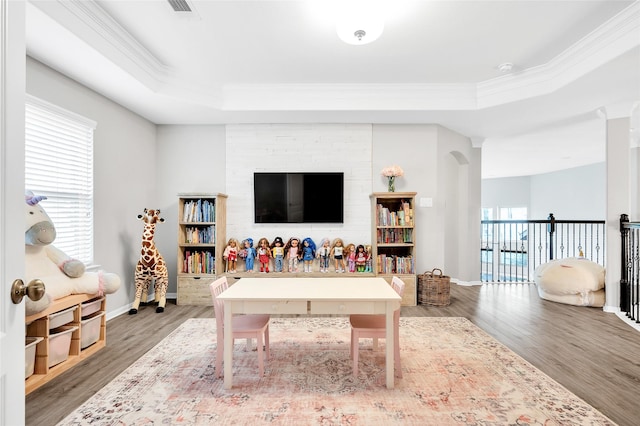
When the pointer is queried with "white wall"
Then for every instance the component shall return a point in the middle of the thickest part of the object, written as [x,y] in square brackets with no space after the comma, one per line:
[578,193]
[189,159]
[414,148]
[141,165]
[124,172]
[507,192]
[292,148]
[433,158]
[361,151]
[459,186]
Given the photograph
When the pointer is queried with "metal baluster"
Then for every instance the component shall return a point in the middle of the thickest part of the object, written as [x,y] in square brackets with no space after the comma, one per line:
[635,272]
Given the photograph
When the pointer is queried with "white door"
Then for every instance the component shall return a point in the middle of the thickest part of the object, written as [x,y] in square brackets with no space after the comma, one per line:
[12,91]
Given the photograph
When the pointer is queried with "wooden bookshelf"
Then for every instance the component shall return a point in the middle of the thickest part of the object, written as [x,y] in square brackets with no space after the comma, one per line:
[393,239]
[201,242]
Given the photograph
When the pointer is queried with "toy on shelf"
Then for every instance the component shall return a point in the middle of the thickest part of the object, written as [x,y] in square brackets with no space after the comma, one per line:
[62,275]
[230,255]
[351,257]
[337,252]
[264,254]
[324,254]
[151,265]
[308,253]
[369,263]
[361,258]
[248,253]
[292,249]
[277,252]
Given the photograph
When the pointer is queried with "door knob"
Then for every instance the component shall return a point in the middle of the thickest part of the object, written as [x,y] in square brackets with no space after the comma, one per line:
[34,290]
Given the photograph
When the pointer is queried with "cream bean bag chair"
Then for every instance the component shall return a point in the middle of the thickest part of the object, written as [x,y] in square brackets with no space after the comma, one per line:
[574,281]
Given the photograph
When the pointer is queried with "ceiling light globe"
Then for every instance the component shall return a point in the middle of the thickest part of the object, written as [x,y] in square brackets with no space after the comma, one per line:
[359,34]
[359,23]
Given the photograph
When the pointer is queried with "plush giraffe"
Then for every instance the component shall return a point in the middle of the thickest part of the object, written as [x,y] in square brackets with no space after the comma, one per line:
[151,265]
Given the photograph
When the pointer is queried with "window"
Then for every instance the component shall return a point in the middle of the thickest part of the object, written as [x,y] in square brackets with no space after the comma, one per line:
[59,165]
[513,213]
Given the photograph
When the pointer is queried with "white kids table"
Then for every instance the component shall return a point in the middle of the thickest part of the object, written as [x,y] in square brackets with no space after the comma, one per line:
[336,295]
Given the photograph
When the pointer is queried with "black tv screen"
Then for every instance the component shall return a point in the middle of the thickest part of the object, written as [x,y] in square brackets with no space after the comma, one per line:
[298,197]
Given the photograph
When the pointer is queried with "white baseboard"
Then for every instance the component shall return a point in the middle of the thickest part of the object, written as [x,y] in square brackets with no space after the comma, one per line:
[623,317]
[125,309]
[465,283]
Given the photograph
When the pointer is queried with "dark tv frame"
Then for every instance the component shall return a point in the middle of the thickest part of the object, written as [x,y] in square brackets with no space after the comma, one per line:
[298,197]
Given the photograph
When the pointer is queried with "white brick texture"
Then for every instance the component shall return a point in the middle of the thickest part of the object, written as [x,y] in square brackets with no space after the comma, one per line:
[343,148]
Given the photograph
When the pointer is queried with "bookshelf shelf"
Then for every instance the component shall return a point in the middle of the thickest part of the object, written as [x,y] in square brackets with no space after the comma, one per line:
[201,241]
[393,237]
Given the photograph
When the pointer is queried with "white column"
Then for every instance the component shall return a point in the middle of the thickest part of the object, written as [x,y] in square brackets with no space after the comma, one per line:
[634,177]
[618,202]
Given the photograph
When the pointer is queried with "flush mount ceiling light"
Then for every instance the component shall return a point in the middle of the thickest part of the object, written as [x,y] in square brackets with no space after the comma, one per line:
[359,22]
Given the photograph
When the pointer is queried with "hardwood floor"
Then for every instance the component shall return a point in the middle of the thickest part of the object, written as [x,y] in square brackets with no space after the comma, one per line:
[593,354]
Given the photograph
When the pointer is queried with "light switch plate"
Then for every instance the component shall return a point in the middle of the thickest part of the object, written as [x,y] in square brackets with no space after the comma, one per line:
[426,202]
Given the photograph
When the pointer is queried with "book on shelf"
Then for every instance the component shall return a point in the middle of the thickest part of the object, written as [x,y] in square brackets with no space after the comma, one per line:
[395,236]
[200,235]
[199,210]
[199,262]
[390,264]
[402,217]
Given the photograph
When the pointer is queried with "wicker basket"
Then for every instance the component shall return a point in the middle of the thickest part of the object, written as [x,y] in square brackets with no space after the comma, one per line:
[434,288]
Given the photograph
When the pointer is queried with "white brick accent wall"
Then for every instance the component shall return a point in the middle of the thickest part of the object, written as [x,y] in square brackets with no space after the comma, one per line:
[343,148]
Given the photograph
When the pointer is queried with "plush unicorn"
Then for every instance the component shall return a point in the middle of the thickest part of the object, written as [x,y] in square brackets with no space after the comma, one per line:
[61,274]
[151,265]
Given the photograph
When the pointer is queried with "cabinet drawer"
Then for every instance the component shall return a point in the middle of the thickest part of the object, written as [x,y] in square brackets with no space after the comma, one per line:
[61,318]
[91,307]
[347,307]
[195,291]
[266,307]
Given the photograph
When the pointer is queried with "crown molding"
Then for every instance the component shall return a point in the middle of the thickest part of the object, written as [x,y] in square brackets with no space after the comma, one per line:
[55,109]
[477,142]
[612,39]
[344,97]
[88,21]
[94,26]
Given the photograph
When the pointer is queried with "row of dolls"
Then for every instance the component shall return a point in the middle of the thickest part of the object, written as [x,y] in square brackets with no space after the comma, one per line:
[287,257]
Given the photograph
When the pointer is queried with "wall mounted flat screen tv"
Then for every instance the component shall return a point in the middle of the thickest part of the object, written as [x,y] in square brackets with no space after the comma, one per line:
[298,197]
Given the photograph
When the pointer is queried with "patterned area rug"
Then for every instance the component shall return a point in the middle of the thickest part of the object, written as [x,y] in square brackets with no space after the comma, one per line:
[453,374]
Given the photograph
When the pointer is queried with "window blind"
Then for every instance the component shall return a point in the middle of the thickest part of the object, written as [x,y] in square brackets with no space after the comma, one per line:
[59,165]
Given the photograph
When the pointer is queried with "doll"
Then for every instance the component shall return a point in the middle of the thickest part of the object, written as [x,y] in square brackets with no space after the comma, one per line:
[324,253]
[293,252]
[361,258]
[369,263]
[337,252]
[351,257]
[248,253]
[230,255]
[277,252]
[308,253]
[264,254]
